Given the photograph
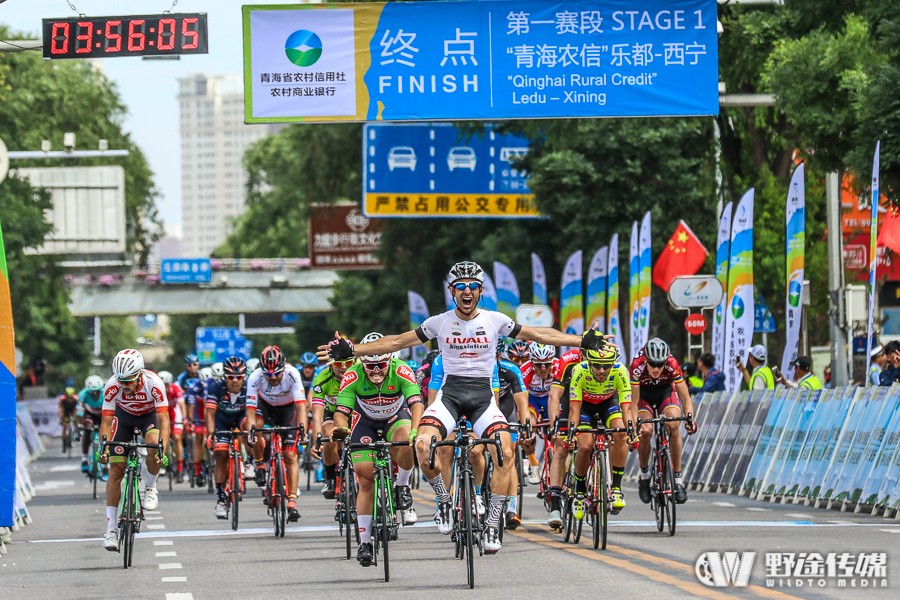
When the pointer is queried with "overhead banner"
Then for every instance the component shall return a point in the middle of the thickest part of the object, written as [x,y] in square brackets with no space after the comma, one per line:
[596,289]
[739,333]
[418,312]
[644,247]
[723,247]
[795,249]
[415,170]
[634,287]
[505,59]
[612,296]
[507,290]
[873,262]
[538,280]
[7,395]
[571,298]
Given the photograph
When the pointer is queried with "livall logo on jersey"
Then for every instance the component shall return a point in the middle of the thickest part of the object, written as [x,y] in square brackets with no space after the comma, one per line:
[794,292]
[737,307]
[303,48]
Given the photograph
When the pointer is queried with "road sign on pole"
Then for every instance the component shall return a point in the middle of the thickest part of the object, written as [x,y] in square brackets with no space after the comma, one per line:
[185,270]
[218,343]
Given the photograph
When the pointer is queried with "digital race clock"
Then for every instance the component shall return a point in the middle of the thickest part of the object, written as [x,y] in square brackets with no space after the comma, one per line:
[142,35]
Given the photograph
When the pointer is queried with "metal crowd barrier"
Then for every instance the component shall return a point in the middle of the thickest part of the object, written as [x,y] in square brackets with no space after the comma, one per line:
[28,447]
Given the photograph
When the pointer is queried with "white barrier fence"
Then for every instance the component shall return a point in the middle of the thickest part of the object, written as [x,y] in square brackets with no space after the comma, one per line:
[28,447]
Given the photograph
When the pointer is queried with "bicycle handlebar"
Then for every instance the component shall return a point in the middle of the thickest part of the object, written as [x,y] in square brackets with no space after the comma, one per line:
[664,419]
[230,432]
[465,442]
[377,445]
[251,437]
[104,444]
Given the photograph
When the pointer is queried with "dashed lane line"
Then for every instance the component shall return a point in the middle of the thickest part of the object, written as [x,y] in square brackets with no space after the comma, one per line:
[169,566]
[168,554]
[174,579]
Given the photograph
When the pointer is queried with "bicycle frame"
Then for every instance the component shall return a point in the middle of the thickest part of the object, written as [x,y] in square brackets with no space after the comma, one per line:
[599,480]
[234,480]
[662,490]
[275,490]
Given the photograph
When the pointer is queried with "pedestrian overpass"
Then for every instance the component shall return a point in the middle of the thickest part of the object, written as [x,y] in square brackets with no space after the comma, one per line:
[229,292]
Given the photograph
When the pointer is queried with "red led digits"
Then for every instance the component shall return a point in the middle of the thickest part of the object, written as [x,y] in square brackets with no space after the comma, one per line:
[59,38]
[113,38]
[187,32]
[137,41]
[166,36]
[85,32]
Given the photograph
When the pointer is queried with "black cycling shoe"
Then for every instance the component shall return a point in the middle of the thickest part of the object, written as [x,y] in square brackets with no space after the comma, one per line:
[328,489]
[680,494]
[293,513]
[364,554]
[201,480]
[644,490]
[260,477]
[404,497]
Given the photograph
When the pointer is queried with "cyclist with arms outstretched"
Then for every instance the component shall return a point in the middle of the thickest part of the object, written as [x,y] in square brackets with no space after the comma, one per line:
[658,387]
[383,398]
[467,337]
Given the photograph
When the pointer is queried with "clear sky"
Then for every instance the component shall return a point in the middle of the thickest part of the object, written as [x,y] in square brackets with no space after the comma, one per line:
[150,88]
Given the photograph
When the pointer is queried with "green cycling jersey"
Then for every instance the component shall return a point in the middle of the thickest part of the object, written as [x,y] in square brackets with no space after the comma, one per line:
[586,388]
[378,402]
[325,389]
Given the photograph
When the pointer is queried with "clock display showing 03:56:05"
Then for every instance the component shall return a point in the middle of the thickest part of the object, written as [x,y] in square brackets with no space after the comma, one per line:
[144,35]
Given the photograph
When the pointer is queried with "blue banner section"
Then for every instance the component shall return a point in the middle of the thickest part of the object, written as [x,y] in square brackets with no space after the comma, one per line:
[185,270]
[522,59]
[218,343]
[438,158]
[8,447]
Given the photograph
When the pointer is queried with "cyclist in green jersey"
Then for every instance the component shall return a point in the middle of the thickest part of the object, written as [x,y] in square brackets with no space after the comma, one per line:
[385,402]
[600,391]
[325,388]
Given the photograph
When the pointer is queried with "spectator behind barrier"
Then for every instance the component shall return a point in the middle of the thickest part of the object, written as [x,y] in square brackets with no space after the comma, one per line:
[803,376]
[713,378]
[879,362]
[891,372]
[759,376]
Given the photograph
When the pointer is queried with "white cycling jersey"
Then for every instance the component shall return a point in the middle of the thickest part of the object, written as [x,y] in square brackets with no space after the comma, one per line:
[468,348]
[288,391]
[149,397]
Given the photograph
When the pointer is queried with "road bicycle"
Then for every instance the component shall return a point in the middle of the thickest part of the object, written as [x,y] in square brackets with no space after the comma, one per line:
[547,432]
[522,432]
[131,511]
[598,499]
[275,491]
[95,470]
[345,494]
[662,476]
[234,482]
[308,465]
[384,520]
[467,529]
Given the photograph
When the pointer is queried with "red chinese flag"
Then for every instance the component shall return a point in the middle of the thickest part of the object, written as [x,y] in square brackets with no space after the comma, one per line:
[683,255]
[889,236]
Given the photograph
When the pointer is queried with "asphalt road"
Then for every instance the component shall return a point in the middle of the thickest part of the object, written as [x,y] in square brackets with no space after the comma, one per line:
[185,553]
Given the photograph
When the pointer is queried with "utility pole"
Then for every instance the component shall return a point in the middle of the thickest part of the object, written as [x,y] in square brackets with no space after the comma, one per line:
[840,370]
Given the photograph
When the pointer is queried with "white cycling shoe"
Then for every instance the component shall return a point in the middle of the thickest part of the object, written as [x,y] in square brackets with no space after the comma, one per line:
[151,498]
[111,540]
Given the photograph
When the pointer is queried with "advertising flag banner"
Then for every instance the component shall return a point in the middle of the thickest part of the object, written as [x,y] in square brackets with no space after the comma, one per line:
[634,299]
[723,246]
[448,296]
[418,312]
[505,59]
[596,289]
[795,248]
[538,281]
[571,298]
[739,333]
[7,396]
[644,248]
[489,294]
[612,295]
[507,290]
[684,254]
[873,261]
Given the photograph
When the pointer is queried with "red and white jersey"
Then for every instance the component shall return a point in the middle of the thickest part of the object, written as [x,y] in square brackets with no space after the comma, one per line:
[174,393]
[468,348]
[149,397]
[535,385]
[288,391]
[572,357]
[670,374]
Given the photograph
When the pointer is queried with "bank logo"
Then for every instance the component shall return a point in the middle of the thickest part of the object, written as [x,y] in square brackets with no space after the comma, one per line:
[737,307]
[795,290]
[303,48]
[724,569]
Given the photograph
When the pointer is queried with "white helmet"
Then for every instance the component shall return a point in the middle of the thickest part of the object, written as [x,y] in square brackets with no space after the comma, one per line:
[205,374]
[371,337]
[166,377]
[252,363]
[127,364]
[541,352]
[218,370]
[466,270]
[94,383]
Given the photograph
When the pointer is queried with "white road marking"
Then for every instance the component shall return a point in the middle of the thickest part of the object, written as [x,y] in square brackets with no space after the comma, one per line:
[805,517]
[53,485]
[174,579]
[153,518]
[156,526]
[180,596]
[166,554]
[724,504]
[163,542]
[758,509]
[151,512]
[64,468]
[169,566]
[890,530]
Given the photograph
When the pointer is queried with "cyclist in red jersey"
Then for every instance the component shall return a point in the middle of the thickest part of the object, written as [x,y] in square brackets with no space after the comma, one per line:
[658,387]
[177,410]
[558,405]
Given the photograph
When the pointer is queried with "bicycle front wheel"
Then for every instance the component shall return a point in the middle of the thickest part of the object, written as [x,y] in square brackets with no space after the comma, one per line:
[601,505]
[126,523]
[384,517]
[466,529]
[669,478]
[279,498]
[349,515]
[235,496]
[658,494]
